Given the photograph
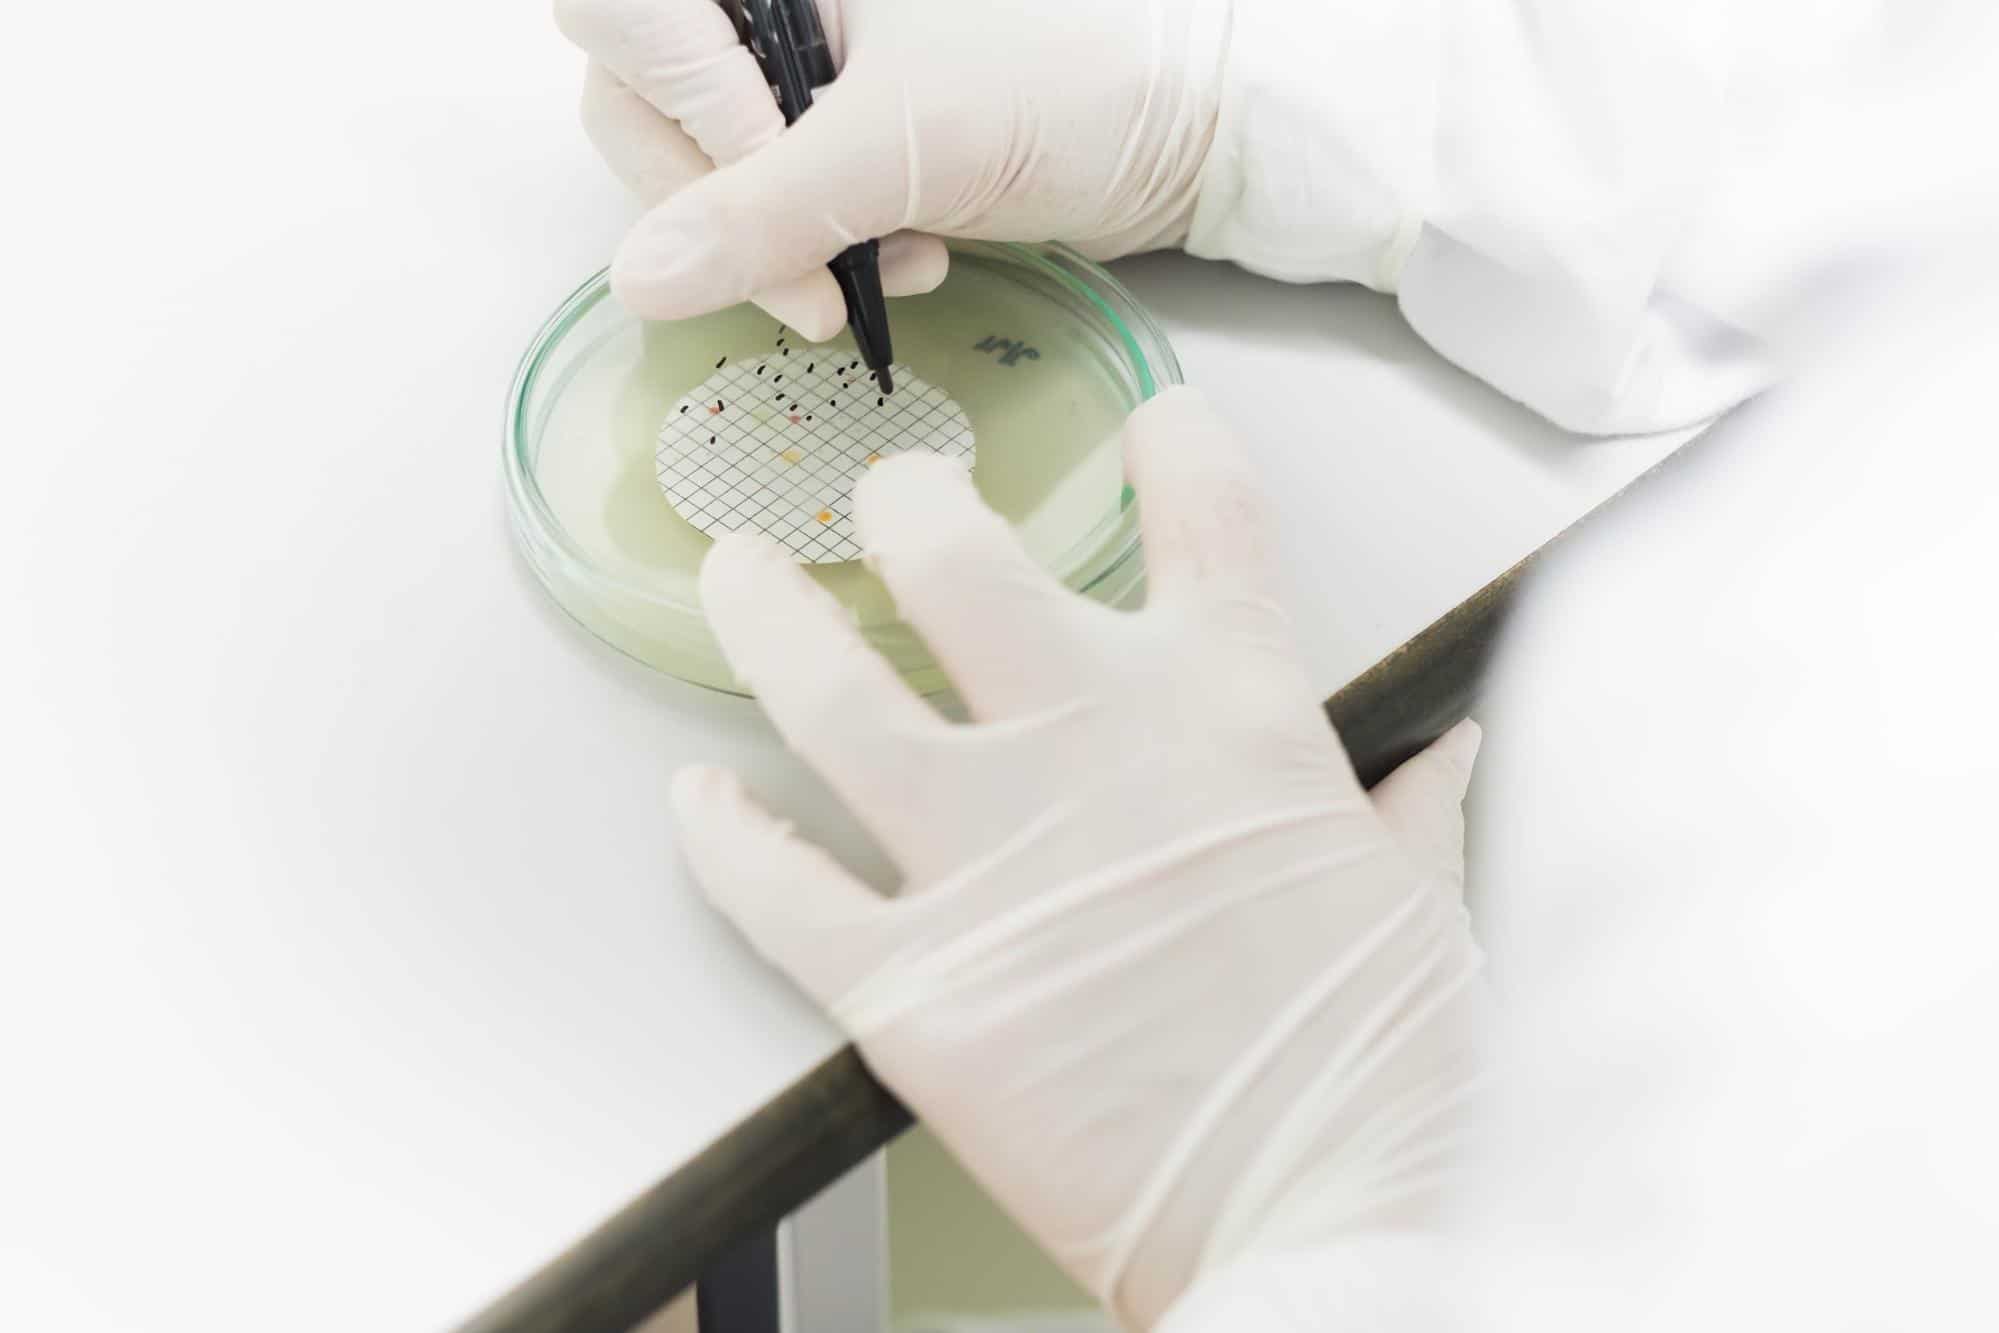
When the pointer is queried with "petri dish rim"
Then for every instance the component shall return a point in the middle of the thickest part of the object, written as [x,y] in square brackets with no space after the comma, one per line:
[1148,357]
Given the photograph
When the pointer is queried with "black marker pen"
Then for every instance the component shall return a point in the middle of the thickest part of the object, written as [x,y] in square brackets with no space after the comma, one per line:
[790,46]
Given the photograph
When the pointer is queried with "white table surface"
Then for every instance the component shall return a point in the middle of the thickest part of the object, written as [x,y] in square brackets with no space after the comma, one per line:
[348,972]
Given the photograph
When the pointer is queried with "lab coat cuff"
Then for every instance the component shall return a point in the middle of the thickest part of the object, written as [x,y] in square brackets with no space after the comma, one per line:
[1322,161]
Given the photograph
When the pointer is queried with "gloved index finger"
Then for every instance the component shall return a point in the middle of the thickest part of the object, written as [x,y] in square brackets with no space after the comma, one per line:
[1422,802]
[833,698]
[684,57]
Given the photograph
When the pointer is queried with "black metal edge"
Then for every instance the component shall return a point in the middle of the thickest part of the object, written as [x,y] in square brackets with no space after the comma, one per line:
[741,1185]
[1425,687]
[738,1293]
[829,1121]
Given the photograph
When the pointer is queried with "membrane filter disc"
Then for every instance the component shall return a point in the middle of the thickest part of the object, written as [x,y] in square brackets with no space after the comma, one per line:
[778,443]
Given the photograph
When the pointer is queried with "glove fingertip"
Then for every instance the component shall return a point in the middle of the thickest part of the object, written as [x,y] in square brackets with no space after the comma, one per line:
[791,901]
[913,263]
[697,789]
[916,500]
[1460,746]
[724,833]
[809,305]
[736,566]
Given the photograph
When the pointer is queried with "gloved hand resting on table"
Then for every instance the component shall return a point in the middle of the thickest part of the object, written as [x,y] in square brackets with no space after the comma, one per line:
[1167,981]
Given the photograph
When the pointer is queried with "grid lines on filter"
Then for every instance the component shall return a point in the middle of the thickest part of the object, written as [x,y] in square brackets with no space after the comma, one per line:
[777,443]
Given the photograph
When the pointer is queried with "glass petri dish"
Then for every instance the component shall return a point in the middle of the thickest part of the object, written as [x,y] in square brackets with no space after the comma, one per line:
[1044,352]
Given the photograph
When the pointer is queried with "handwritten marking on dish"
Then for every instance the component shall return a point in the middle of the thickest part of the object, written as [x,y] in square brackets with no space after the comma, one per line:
[1010,349]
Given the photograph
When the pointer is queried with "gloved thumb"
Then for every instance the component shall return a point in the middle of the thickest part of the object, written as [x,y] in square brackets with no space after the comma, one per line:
[1422,802]
[796,905]
[837,176]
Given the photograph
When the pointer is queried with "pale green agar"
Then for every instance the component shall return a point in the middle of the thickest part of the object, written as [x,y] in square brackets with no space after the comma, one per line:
[1040,362]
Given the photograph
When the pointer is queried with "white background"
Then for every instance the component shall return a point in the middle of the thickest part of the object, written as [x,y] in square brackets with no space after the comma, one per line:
[346,971]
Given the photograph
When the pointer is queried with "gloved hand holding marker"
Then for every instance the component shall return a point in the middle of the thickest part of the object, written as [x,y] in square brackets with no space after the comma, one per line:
[1306,142]
[790,47]
[928,126]
[1163,976]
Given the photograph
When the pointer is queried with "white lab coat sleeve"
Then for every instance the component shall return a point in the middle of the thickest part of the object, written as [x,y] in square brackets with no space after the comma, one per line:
[1535,182]
[1732,860]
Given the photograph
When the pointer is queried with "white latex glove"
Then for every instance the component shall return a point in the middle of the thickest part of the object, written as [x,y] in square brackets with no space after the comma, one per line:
[1590,204]
[1172,986]
[1080,120]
